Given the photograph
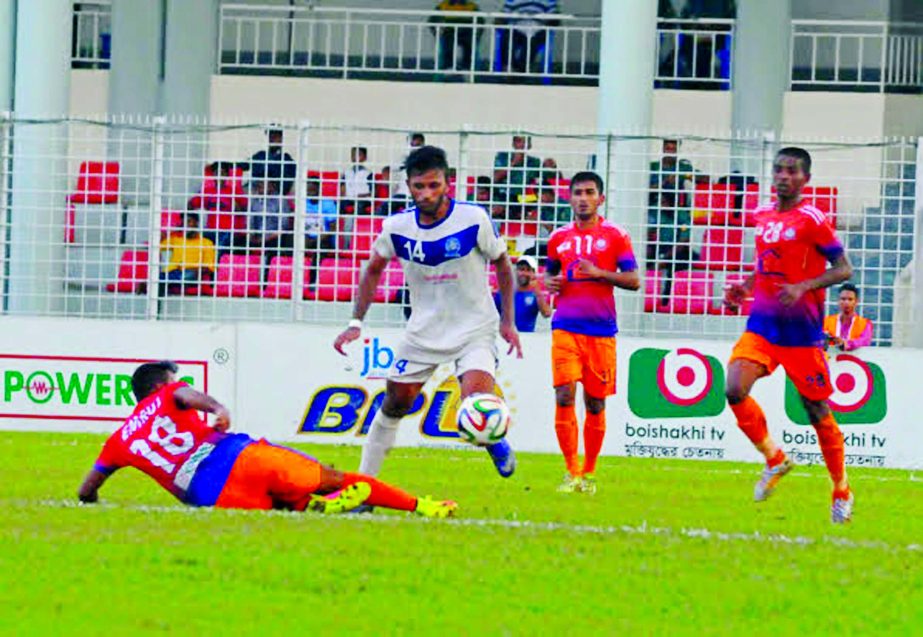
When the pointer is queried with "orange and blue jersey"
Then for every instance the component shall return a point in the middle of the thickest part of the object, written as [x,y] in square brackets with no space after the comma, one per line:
[586,305]
[175,447]
[791,247]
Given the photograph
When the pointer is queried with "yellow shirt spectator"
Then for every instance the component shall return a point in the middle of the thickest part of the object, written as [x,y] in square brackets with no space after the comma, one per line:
[189,253]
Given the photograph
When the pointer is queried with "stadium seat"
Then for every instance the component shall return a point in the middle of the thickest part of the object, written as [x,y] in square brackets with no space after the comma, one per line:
[329,183]
[239,275]
[97,183]
[713,204]
[512,229]
[133,271]
[722,249]
[391,282]
[171,223]
[717,307]
[280,276]
[691,292]
[363,233]
[91,215]
[336,280]
[652,299]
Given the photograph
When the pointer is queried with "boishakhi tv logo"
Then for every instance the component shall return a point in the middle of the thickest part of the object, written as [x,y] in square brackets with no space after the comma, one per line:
[678,383]
[860,395]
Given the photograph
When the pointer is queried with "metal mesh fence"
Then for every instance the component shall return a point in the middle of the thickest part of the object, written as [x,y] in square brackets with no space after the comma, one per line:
[173,220]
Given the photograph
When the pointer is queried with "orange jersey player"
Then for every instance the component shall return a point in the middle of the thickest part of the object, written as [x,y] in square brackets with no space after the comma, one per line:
[204,465]
[587,259]
[794,243]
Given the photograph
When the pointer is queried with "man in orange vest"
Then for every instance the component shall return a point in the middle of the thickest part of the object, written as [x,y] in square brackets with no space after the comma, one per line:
[847,330]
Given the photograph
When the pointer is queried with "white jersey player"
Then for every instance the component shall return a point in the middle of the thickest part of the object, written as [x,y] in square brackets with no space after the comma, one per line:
[443,247]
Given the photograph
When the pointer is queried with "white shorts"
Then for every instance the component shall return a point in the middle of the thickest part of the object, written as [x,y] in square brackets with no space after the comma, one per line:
[481,356]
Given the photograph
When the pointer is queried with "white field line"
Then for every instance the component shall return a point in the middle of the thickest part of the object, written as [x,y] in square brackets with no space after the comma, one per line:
[642,529]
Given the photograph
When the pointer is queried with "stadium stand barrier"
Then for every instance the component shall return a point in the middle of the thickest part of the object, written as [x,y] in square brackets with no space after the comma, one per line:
[199,230]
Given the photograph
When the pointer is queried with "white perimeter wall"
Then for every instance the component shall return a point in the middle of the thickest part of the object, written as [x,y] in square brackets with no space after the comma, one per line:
[285,382]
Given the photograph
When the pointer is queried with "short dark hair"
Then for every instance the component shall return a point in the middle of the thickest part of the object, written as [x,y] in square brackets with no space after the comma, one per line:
[484,182]
[416,136]
[797,153]
[361,149]
[587,175]
[149,375]
[426,158]
[849,287]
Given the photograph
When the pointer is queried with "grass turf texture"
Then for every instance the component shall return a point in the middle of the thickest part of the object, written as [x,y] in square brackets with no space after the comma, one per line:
[666,547]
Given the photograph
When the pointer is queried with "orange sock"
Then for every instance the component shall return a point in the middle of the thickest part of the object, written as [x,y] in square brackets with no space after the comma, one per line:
[565,426]
[751,420]
[831,445]
[594,430]
[383,495]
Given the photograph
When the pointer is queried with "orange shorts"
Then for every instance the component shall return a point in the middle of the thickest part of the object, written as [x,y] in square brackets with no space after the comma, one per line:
[266,476]
[588,359]
[805,366]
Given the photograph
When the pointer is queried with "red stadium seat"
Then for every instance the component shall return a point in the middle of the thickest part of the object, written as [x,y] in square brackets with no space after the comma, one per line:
[280,276]
[329,183]
[652,300]
[718,308]
[722,249]
[239,275]
[519,229]
[691,292]
[97,183]
[363,234]
[713,204]
[171,223]
[133,271]
[336,280]
[392,280]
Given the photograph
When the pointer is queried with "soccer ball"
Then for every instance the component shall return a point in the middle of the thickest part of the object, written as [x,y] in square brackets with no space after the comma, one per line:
[483,419]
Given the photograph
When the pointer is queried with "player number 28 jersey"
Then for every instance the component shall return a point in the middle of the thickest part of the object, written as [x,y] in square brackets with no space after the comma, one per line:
[162,440]
[445,267]
[791,246]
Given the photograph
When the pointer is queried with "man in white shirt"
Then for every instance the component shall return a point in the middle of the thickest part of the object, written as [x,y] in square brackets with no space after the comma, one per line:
[444,247]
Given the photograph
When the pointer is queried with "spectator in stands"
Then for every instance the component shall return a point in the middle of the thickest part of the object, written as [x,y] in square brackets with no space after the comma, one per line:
[669,212]
[516,172]
[356,188]
[483,191]
[399,191]
[552,212]
[847,331]
[527,35]
[381,191]
[222,195]
[271,221]
[274,164]
[529,300]
[188,259]
[550,175]
[320,223]
[456,33]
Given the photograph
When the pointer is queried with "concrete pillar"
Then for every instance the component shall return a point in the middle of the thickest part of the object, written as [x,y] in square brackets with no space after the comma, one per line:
[40,171]
[190,57]
[7,43]
[134,90]
[626,92]
[761,73]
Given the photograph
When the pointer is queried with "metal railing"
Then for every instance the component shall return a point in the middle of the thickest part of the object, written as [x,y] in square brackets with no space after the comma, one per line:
[92,33]
[854,55]
[149,219]
[484,47]
[367,42]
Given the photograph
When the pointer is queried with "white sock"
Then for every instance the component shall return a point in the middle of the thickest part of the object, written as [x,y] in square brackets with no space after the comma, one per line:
[381,438]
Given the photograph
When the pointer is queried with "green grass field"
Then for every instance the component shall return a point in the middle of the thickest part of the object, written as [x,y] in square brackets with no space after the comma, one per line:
[664,548]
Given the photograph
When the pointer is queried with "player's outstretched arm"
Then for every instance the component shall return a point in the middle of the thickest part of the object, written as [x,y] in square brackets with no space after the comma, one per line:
[189,398]
[507,323]
[368,283]
[89,490]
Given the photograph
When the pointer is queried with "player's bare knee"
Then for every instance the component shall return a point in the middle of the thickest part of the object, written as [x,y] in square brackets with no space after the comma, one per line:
[595,406]
[395,406]
[735,393]
[564,395]
[817,410]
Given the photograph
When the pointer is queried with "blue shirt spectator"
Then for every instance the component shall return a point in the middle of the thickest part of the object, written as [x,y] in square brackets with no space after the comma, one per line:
[528,301]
